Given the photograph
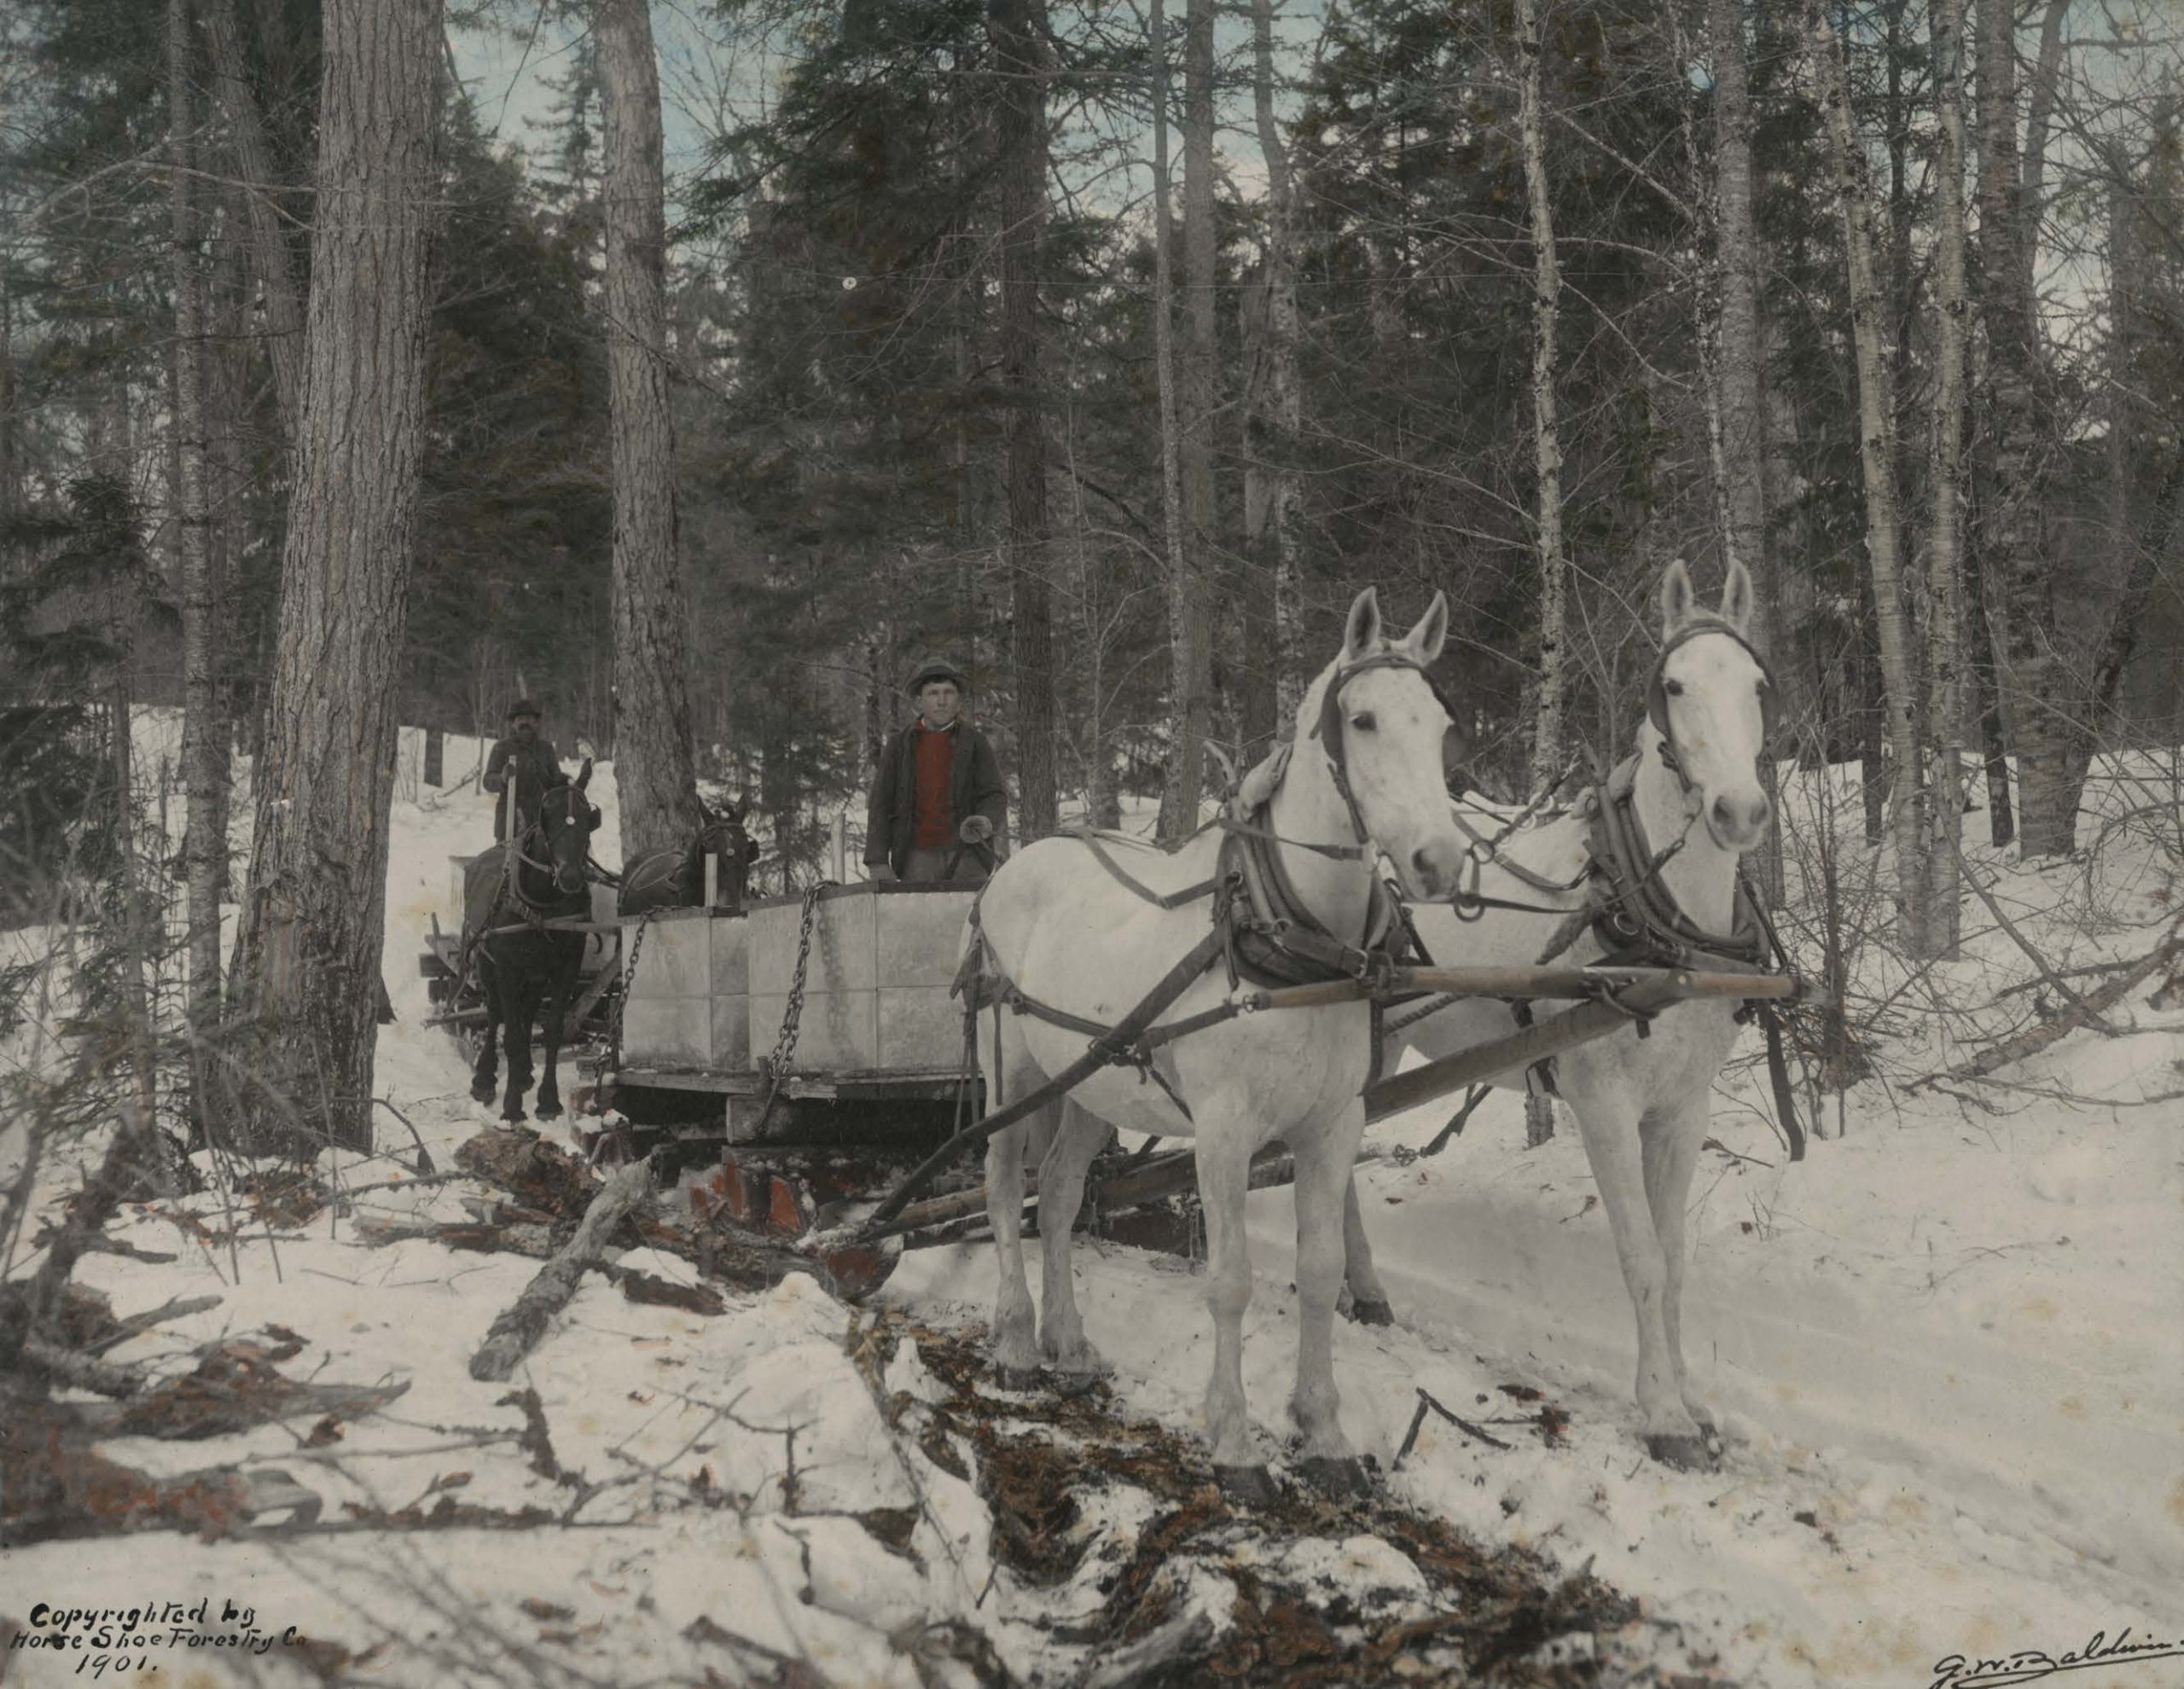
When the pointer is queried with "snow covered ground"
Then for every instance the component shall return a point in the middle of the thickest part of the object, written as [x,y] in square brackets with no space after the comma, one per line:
[1947,1350]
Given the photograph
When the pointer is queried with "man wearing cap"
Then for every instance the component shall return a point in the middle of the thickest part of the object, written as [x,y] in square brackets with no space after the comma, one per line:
[530,759]
[937,802]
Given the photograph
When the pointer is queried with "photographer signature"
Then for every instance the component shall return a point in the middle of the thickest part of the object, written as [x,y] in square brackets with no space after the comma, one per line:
[2029,1665]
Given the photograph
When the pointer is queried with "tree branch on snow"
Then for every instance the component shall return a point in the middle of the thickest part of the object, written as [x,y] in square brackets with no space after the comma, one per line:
[519,1328]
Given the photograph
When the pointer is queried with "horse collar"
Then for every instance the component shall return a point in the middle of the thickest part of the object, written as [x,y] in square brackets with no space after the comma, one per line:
[1638,921]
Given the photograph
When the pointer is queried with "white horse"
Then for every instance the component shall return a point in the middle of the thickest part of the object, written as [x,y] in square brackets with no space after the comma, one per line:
[1082,932]
[1641,1103]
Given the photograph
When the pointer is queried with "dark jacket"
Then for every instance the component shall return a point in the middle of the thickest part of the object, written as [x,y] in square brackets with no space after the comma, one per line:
[974,789]
[535,768]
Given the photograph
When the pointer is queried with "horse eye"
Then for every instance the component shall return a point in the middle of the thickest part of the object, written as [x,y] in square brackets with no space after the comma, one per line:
[1362,721]
[1674,688]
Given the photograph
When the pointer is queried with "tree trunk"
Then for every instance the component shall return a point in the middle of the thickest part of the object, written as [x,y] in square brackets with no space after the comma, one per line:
[204,740]
[1546,447]
[1018,29]
[1877,432]
[1189,407]
[655,768]
[2039,708]
[308,955]
[271,264]
[2045,76]
[1281,419]
[1994,749]
[1936,931]
[1738,362]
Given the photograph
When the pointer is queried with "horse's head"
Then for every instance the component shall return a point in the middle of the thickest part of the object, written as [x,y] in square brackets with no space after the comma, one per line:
[1712,699]
[565,821]
[721,835]
[1381,723]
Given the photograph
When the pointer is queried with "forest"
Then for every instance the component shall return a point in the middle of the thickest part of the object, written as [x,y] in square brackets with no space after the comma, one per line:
[701,371]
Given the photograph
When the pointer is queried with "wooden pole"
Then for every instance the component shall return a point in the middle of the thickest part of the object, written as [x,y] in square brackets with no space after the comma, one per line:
[712,879]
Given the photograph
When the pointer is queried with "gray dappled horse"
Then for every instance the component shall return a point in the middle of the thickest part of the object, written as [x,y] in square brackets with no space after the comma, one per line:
[1691,804]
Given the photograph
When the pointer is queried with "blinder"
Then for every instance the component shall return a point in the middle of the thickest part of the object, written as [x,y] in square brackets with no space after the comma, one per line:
[1657,702]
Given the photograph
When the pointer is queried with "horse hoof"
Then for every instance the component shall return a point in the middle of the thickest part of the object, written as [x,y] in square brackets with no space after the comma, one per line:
[1071,1385]
[1247,1486]
[1018,1378]
[482,1091]
[512,1114]
[1343,1479]
[1373,1313]
[1686,1454]
[549,1111]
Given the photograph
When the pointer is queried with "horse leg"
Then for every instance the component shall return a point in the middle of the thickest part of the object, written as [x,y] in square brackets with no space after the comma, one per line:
[1369,1298]
[1223,1162]
[482,1076]
[521,1004]
[1061,1191]
[1672,1132]
[557,1009]
[1607,1116]
[1015,1335]
[1323,1161]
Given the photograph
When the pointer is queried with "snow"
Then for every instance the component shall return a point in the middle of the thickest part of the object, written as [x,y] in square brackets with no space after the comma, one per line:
[1945,1350]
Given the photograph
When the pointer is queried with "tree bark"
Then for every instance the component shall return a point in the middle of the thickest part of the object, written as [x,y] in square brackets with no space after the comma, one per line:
[1877,432]
[1936,931]
[1282,418]
[1546,446]
[2045,825]
[1018,29]
[2045,75]
[1737,360]
[313,924]
[204,741]
[1186,424]
[656,766]
[271,264]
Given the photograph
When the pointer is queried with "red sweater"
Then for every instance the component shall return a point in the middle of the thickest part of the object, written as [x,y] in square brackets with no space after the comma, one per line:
[934,751]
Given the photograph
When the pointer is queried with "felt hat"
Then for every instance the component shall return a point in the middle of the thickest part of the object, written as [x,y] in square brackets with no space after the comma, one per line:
[936,669]
[524,706]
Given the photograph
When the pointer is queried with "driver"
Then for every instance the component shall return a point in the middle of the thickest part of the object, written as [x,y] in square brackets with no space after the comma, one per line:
[531,758]
[938,805]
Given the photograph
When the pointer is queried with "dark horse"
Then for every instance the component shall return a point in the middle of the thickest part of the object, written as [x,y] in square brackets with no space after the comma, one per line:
[676,880]
[529,974]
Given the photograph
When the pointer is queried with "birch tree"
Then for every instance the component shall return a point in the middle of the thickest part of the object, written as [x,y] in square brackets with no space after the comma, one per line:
[655,770]
[1936,932]
[1547,449]
[1018,28]
[1278,419]
[1190,654]
[308,958]
[2015,528]
[1876,457]
[204,738]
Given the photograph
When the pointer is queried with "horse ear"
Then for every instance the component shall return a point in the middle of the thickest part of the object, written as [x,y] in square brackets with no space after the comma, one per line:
[1678,602]
[1426,641]
[1363,631]
[1738,597]
[584,775]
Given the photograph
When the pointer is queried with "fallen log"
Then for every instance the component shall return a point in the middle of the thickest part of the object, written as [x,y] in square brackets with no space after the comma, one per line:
[2035,1039]
[520,1326]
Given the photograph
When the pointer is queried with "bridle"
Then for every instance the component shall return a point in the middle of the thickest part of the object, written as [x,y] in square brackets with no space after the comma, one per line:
[537,829]
[1656,700]
[1328,731]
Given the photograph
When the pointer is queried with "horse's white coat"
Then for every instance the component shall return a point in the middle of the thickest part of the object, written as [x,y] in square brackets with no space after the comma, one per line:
[1642,1104]
[1071,936]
